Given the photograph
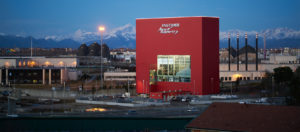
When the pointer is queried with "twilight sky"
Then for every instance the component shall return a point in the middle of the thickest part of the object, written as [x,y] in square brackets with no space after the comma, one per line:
[61,17]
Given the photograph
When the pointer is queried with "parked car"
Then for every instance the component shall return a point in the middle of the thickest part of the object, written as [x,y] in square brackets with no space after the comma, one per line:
[5,93]
[183,99]
[192,109]
[131,112]
[188,99]
[12,115]
[176,99]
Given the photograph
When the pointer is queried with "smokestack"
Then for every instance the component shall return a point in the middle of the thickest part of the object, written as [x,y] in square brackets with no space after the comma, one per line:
[228,51]
[237,51]
[256,61]
[246,54]
[265,55]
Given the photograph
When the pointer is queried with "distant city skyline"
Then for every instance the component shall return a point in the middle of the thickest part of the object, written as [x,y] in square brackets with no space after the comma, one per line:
[51,18]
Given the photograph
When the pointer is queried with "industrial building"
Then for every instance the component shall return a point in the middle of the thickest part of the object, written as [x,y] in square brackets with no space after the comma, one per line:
[37,70]
[251,73]
[248,64]
[177,56]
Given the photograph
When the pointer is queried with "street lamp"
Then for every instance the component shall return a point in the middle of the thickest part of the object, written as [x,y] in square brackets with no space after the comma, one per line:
[101,30]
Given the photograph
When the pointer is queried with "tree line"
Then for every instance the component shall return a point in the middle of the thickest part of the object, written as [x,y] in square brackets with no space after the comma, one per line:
[94,50]
[284,82]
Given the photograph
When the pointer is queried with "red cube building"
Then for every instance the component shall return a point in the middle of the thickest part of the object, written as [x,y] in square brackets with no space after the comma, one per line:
[177,55]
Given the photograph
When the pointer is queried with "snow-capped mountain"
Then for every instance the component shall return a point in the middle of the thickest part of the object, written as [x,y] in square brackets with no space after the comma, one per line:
[125,36]
[282,33]
[275,33]
[82,36]
[127,32]
[275,38]
[10,41]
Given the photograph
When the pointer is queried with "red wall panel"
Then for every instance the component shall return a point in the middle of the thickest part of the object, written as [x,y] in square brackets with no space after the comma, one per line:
[196,36]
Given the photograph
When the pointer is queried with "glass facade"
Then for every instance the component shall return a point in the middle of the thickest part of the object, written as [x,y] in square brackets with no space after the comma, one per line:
[174,68]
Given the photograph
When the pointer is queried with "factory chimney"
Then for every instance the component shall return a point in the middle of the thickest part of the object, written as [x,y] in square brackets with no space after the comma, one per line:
[246,53]
[237,52]
[228,51]
[256,52]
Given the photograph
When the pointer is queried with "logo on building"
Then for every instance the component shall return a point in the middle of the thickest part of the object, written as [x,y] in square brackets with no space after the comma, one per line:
[169,28]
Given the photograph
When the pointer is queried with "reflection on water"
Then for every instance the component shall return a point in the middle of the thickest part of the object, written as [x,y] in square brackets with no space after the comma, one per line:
[95,110]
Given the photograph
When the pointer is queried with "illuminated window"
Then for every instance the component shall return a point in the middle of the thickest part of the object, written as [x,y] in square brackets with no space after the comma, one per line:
[174,68]
[7,64]
[61,63]
[31,63]
[74,63]
[47,63]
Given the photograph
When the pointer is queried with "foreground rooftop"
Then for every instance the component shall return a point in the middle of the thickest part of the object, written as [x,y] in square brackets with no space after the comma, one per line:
[247,117]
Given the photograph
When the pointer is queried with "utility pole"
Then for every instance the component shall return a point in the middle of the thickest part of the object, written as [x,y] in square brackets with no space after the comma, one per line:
[53,89]
[231,88]
[101,29]
[273,86]
[101,72]
[64,97]
[128,84]
[96,86]
[31,47]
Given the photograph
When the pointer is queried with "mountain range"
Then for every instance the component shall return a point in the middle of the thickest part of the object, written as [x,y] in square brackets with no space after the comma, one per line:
[275,38]
[124,37]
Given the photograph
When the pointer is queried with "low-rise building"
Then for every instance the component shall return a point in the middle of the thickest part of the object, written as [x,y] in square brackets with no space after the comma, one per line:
[119,76]
[250,74]
[91,60]
[37,70]
[123,54]
[283,59]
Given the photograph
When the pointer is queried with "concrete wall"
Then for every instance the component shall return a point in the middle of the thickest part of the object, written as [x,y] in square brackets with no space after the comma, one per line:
[278,59]
[56,62]
[251,67]
[70,94]
[72,74]
[38,61]
[119,76]
[235,75]
[7,62]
